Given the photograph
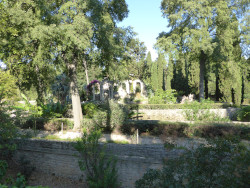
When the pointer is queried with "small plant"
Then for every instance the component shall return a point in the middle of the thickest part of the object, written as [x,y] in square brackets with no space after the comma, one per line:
[89,109]
[99,167]
[219,163]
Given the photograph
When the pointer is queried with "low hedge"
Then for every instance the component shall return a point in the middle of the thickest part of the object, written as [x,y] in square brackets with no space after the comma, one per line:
[172,106]
[47,124]
[173,129]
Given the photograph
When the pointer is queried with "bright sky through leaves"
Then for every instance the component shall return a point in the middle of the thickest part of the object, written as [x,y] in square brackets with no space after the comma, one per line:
[146,18]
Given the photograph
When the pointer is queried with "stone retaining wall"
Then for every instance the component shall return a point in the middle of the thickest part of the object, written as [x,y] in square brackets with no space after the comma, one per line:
[59,158]
[179,114]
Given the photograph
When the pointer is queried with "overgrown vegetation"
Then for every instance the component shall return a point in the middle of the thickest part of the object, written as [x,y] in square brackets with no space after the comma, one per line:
[218,163]
[99,166]
[244,114]
[8,133]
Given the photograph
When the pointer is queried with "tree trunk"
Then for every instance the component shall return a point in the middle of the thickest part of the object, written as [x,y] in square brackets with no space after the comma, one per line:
[76,103]
[86,70]
[206,88]
[39,87]
[217,91]
[202,74]
[242,90]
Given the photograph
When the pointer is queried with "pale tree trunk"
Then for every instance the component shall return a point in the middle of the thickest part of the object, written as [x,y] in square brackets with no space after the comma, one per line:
[202,74]
[86,70]
[76,103]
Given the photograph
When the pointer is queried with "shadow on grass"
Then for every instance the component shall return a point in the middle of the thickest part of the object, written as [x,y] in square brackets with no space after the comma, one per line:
[180,129]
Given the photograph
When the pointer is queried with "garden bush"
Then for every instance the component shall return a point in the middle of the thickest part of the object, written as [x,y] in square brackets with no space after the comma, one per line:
[89,109]
[109,116]
[163,97]
[100,168]
[54,110]
[219,163]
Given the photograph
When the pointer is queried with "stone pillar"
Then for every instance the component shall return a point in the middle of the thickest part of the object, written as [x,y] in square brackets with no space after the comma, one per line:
[127,87]
[93,91]
[134,86]
[142,88]
[101,92]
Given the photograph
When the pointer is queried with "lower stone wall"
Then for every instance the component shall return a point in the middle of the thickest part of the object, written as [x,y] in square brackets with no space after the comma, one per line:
[179,114]
[60,159]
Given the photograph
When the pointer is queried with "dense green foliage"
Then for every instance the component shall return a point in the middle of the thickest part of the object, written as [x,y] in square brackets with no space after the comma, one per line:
[219,163]
[89,109]
[7,133]
[42,38]
[99,166]
[8,88]
[204,47]
[163,97]
[54,110]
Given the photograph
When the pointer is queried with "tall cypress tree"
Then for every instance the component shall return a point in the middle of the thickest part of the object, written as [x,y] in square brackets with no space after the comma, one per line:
[230,79]
[194,25]
[161,63]
[154,77]
[148,65]
[169,73]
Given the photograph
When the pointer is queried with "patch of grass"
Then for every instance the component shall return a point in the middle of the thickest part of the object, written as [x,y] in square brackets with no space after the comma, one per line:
[55,137]
[118,141]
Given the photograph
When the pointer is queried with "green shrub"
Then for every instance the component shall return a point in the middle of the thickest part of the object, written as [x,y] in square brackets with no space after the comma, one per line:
[108,116]
[118,114]
[99,167]
[244,114]
[89,109]
[8,88]
[8,133]
[163,97]
[54,110]
[220,163]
